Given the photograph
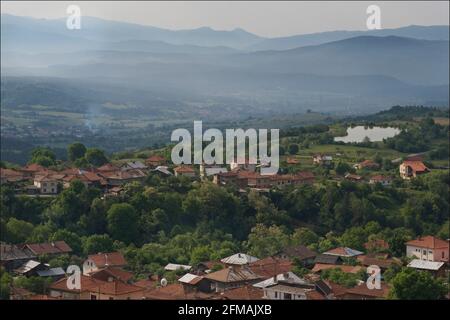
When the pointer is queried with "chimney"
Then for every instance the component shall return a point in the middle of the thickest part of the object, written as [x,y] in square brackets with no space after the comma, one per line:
[275,280]
[106,260]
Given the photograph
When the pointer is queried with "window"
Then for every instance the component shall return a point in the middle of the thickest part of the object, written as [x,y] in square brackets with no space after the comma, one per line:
[443,255]
[276,295]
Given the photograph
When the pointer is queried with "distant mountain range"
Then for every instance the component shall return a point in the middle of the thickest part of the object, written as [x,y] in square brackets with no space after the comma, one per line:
[329,71]
[35,34]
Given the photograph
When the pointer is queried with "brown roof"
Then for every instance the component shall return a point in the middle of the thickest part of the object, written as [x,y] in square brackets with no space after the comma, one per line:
[429,242]
[108,167]
[416,166]
[175,292]
[369,164]
[48,248]
[314,295]
[301,252]
[228,275]
[268,267]
[292,161]
[33,167]
[156,158]
[86,284]
[382,263]
[111,259]
[363,291]
[11,174]
[116,287]
[115,272]
[184,169]
[247,292]
[318,267]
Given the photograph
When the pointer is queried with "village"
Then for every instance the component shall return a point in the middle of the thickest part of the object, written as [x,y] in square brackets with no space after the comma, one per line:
[240,276]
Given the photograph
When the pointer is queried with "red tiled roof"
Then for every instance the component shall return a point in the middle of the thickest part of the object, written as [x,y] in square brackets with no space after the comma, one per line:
[268,267]
[363,291]
[369,164]
[116,287]
[247,292]
[175,292]
[49,248]
[314,295]
[184,169]
[86,284]
[155,158]
[108,167]
[230,275]
[429,242]
[115,272]
[112,259]
[33,167]
[416,166]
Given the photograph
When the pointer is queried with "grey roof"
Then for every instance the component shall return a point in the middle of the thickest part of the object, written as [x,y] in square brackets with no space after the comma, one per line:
[425,265]
[239,259]
[163,169]
[174,266]
[27,266]
[51,272]
[289,289]
[10,252]
[300,252]
[288,277]
[134,165]
[327,259]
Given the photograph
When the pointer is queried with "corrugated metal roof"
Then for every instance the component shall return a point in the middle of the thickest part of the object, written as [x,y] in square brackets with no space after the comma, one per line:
[174,267]
[425,265]
[291,279]
[51,272]
[239,259]
[188,278]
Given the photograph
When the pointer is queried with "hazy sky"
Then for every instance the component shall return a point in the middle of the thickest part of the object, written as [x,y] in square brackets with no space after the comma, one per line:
[263,18]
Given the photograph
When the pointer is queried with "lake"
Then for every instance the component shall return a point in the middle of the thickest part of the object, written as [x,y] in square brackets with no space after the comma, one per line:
[358,133]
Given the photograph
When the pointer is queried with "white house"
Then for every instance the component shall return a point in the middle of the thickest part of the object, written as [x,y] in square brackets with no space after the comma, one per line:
[428,248]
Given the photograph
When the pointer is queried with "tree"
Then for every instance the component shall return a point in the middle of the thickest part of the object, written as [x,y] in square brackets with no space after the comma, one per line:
[293,149]
[18,231]
[43,156]
[5,282]
[410,284]
[96,157]
[342,168]
[72,239]
[266,241]
[97,243]
[76,151]
[122,222]
[304,236]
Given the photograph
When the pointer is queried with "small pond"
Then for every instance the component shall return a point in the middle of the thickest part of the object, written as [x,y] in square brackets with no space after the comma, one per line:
[358,133]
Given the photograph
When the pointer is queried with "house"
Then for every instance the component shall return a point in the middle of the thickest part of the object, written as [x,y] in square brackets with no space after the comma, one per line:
[211,170]
[383,180]
[319,267]
[47,184]
[184,171]
[328,259]
[12,257]
[49,249]
[268,267]
[247,292]
[301,253]
[155,161]
[132,165]
[16,293]
[30,268]
[412,168]
[162,171]
[98,261]
[353,177]
[428,248]
[244,164]
[279,180]
[362,292]
[107,273]
[108,167]
[286,286]
[380,261]
[30,170]
[95,289]
[192,282]
[11,176]
[343,252]
[434,267]
[231,277]
[119,178]
[285,277]
[54,273]
[238,259]
[176,291]
[176,267]
[367,164]
[322,160]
